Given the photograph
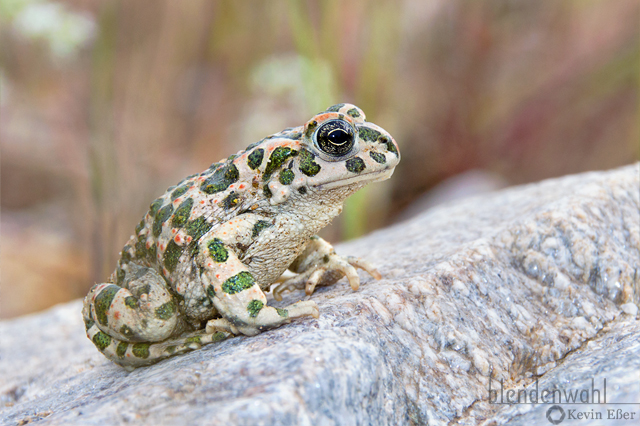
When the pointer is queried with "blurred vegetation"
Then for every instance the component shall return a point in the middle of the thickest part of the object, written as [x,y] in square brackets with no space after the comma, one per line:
[106,103]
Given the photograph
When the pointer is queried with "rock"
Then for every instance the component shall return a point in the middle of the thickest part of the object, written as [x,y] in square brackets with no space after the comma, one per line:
[532,282]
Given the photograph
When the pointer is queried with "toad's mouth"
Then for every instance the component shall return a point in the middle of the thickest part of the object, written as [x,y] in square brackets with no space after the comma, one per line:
[363,177]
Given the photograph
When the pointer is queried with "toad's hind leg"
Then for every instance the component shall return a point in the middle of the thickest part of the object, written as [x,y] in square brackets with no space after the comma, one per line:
[141,310]
[131,355]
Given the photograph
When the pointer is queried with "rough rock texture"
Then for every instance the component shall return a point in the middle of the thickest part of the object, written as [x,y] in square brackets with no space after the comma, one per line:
[535,282]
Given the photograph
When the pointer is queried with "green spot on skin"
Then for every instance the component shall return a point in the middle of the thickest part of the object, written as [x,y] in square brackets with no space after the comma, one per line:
[259,227]
[231,200]
[211,292]
[390,145]
[141,248]
[302,190]
[121,350]
[218,336]
[377,157]
[170,349]
[283,312]
[307,165]
[277,158]
[171,256]
[355,165]
[155,206]
[238,283]
[166,311]
[197,228]
[161,217]
[266,191]
[181,216]
[88,323]
[101,340]
[141,350]
[152,253]
[179,191]
[254,160]
[126,331]
[139,227]
[368,134]
[286,177]
[103,302]
[335,108]
[254,308]
[353,112]
[193,339]
[217,250]
[221,179]
[212,168]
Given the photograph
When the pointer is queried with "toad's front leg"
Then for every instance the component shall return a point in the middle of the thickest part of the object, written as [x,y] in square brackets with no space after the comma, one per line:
[319,265]
[234,290]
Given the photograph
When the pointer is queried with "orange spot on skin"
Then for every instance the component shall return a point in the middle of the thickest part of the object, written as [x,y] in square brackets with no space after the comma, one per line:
[177,239]
[218,276]
[189,238]
[325,116]
[116,315]
[241,186]
[173,231]
[201,201]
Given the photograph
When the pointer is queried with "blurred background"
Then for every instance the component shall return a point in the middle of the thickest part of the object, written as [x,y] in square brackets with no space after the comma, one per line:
[106,103]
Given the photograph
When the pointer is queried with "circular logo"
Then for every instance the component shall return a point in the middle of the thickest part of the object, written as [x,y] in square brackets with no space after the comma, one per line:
[552,417]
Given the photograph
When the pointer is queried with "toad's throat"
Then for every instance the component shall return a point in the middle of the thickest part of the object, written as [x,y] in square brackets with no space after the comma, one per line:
[363,177]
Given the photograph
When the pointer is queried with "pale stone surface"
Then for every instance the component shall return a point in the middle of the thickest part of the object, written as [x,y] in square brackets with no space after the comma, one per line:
[534,281]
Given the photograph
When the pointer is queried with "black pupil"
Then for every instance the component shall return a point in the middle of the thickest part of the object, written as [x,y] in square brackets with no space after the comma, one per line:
[335,138]
[338,137]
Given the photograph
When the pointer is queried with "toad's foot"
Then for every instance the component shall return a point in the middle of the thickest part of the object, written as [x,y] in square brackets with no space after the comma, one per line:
[331,269]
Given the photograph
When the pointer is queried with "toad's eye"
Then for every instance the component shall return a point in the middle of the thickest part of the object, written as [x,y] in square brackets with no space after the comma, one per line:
[335,137]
